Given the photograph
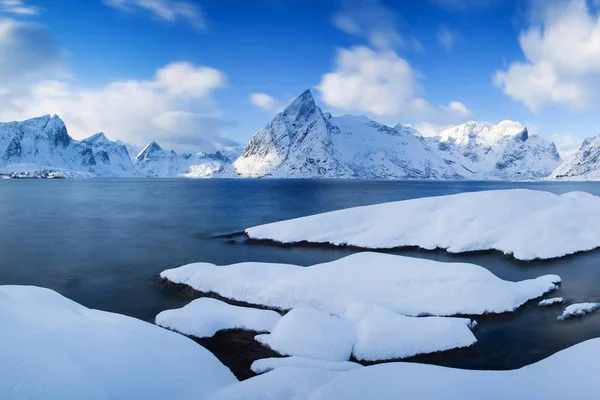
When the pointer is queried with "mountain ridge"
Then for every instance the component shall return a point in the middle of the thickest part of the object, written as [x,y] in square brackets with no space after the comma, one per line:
[299,142]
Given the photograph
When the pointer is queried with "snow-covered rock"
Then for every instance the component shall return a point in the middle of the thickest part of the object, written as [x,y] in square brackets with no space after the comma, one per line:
[551,301]
[584,165]
[542,380]
[528,224]
[385,335]
[268,364]
[289,383]
[307,332]
[409,286]
[578,310]
[502,151]
[204,317]
[303,142]
[54,348]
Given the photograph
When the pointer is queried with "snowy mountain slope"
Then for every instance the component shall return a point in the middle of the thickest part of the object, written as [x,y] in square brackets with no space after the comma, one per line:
[45,143]
[41,147]
[296,144]
[583,165]
[502,151]
[303,142]
[155,162]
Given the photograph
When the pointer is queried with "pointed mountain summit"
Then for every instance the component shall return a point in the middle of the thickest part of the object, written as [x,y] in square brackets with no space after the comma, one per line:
[151,150]
[303,142]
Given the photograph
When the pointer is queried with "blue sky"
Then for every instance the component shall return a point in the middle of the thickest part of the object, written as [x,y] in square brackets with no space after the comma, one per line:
[207,74]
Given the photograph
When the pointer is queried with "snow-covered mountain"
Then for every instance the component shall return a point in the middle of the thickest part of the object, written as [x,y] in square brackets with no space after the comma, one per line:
[303,142]
[502,151]
[42,145]
[583,165]
[300,142]
[153,161]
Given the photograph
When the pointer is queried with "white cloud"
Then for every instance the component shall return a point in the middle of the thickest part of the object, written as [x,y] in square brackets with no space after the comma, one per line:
[264,101]
[17,7]
[566,144]
[171,11]
[369,19]
[382,84]
[562,52]
[27,50]
[185,79]
[447,38]
[135,111]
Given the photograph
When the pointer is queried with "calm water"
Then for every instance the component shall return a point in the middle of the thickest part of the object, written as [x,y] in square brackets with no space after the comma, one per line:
[99,242]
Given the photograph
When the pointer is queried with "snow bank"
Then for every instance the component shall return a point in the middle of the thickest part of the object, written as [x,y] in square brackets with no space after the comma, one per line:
[578,309]
[405,285]
[310,333]
[552,301]
[290,383]
[542,380]
[268,364]
[385,335]
[528,224]
[54,348]
[205,316]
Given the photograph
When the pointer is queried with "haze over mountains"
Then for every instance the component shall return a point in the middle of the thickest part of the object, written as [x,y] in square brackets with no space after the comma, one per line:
[304,142]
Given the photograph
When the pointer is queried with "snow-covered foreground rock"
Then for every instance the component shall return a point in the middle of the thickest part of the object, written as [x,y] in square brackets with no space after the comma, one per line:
[371,305]
[410,286]
[307,332]
[268,364]
[542,380]
[578,310]
[205,316]
[551,302]
[54,348]
[527,224]
[385,335]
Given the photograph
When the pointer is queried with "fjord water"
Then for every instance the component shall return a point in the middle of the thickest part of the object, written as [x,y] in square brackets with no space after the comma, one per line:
[100,242]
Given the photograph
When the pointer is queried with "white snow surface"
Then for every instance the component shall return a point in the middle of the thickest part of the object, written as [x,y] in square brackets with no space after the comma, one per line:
[268,364]
[551,301]
[542,380]
[54,348]
[204,317]
[385,335]
[307,332]
[289,383]
[409,286]
[527,224]
[578,310]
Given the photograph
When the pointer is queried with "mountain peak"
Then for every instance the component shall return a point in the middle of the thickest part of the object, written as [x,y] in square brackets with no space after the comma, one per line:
[99,137]
[150,149]
[301,106]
